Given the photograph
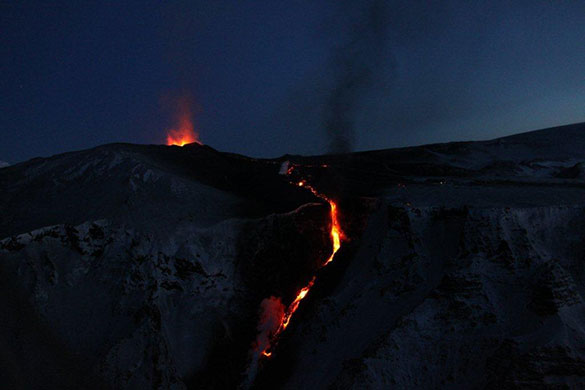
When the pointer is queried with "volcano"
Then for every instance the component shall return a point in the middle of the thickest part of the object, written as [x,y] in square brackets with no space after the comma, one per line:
[454,265]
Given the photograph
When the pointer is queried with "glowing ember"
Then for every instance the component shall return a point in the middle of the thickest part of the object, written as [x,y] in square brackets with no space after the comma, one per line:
[184,133]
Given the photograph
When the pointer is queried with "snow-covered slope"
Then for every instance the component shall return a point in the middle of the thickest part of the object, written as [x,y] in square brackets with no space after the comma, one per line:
[468,274]
[145,186]
[549,156]
[136,267]
[131,266]
[451,298]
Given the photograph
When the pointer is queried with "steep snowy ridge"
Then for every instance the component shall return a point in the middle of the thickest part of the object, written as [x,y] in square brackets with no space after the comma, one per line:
[109,292]
[541,157]
[145,186]
[161,276]
[435,302]
[144,310]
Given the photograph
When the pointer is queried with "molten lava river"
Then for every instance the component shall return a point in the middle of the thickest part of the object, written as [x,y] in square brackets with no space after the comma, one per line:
[275,318]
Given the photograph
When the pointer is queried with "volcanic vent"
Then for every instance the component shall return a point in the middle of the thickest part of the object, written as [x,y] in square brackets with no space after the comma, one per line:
[183,132]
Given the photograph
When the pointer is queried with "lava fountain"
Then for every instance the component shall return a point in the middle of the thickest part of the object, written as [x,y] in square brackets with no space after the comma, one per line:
[184,131]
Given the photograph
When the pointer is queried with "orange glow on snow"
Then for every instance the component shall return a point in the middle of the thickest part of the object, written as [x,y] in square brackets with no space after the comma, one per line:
[286,316]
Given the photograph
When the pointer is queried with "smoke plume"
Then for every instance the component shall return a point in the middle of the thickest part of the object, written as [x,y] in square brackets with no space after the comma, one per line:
[355,65]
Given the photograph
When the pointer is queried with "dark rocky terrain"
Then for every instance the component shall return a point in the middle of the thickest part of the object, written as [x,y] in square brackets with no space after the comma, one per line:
[129,266]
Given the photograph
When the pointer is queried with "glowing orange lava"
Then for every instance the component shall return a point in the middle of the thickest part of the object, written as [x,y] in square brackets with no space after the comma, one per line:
[336,233]
[284,321]
[184,133]
[336,237]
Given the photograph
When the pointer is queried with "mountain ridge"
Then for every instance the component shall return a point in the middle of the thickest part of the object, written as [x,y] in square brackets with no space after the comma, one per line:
[147,266]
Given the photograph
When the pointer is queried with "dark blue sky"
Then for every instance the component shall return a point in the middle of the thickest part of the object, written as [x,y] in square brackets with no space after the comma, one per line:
[76,76]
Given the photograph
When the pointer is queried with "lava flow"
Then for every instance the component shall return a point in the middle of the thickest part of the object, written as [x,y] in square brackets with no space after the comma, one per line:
[274,315]
[285,318]
[336,232]
[337,236]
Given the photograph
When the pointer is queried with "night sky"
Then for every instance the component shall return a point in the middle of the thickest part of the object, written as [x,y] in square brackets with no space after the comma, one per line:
[275,77]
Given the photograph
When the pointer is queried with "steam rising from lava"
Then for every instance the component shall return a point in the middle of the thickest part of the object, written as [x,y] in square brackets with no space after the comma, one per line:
[281,318]
[184,131]
[272,311]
